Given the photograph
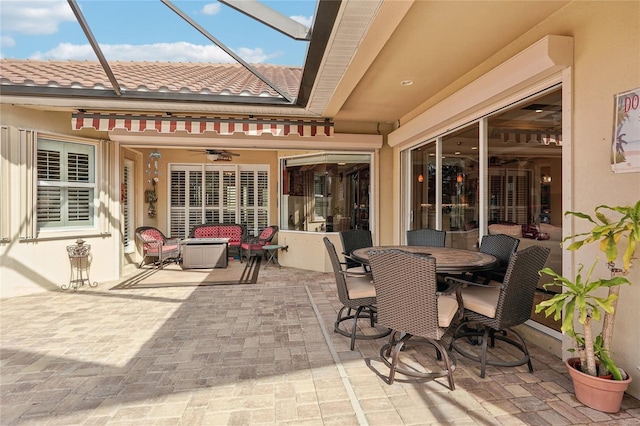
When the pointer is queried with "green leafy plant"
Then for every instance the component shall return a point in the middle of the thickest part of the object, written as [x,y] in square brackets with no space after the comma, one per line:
[579,297]
[621,234]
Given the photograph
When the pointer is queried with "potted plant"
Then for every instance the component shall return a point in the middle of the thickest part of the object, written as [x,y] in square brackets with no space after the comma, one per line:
[582,296]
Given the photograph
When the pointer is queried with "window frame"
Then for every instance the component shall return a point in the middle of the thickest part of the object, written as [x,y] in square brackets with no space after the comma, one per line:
[335,190]
[65,146]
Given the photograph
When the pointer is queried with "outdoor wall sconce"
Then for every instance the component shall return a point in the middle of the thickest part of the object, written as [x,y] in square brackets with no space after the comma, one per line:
[420,178]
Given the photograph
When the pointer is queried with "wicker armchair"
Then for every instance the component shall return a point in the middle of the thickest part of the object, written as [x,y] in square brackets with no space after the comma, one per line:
[253,246]
[155,244]
[409,304]
[426,237]
[354,239]
[355,291]
[501,246]
[495,308]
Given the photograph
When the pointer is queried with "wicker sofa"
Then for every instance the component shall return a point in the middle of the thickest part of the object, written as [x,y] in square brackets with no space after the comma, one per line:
[235,232]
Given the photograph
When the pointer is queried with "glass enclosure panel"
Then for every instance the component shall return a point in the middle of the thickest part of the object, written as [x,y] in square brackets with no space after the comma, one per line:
[423,187]
[523,185]
[460,197]
[325,192]
[460,166]
[525,181]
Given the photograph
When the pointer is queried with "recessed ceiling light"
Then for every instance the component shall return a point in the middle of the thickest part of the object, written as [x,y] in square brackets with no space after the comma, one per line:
[474,147]
[406,82]
[539,110]
[457,152]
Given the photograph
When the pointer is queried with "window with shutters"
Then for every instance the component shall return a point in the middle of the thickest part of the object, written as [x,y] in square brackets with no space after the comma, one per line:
[66,184]
[218,194]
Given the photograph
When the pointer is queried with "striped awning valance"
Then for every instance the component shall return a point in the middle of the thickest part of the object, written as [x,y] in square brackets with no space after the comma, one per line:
[531,136]
[198,125]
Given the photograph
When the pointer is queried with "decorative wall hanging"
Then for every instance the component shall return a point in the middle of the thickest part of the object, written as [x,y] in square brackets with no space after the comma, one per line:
[625,143]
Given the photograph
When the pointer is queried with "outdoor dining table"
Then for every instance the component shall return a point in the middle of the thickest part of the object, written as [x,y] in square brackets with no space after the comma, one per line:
[448,260]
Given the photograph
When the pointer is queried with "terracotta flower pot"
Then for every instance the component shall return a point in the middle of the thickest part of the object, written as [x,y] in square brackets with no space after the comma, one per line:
[599,393]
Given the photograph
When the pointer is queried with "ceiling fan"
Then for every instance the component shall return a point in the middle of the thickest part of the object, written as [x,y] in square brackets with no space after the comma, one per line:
[218,154]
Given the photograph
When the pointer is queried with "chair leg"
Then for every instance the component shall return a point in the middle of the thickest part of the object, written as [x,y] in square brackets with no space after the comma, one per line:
[354,330]
[483,353]
[395,352]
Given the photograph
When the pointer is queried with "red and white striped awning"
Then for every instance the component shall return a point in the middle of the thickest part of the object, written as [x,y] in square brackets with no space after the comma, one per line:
[197,125]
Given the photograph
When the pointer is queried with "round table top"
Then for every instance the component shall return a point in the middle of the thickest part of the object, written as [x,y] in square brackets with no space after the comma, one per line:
[448,260]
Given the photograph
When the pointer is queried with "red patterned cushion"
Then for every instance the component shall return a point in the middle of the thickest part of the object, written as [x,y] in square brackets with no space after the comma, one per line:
[150,236]
[165,249]
[207,232]
[266,233]
[233,232]
[252,246]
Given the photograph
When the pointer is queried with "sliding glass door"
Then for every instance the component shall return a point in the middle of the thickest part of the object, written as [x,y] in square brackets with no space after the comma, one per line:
[521,163]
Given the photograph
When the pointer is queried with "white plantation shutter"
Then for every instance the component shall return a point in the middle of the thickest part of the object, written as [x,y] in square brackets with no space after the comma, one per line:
[509,195]
[66,184]
[229,197]
[212,196]
[128,239]
[218,194]
[177,220]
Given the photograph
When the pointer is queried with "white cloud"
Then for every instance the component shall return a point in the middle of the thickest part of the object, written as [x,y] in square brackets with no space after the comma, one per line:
[34,17]
[6,41]
[157,52]
[304,20]
[211,9]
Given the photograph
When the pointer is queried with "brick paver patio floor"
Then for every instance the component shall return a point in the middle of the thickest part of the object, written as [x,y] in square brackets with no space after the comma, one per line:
[244,355]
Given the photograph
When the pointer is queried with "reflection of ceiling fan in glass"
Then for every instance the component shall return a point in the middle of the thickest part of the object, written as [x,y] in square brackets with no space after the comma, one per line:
[219,154]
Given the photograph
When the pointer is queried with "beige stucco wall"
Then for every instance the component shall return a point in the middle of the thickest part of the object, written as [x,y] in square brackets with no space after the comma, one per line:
[43,264]
[606,62]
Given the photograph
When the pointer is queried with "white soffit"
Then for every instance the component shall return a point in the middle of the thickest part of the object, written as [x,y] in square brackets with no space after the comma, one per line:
[352,24]
[539,61]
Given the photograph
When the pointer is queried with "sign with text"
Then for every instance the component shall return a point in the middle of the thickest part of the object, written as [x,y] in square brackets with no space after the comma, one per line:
[625,144]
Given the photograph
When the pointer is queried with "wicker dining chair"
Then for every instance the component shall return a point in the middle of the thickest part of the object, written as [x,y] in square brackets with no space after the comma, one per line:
[426,237]
[409,304]
[491,310]
[354,239]
[156,244]
[501,246]
[356,292]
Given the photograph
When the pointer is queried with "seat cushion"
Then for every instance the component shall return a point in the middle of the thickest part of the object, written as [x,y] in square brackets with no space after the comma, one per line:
[360,287]
[252,246]
[482,300]
[447,309]
[165,249]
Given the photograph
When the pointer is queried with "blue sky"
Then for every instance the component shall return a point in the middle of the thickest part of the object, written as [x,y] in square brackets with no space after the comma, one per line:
[147,30]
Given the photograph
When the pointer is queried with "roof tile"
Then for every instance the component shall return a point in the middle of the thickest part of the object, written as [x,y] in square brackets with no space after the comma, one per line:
[178,77]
